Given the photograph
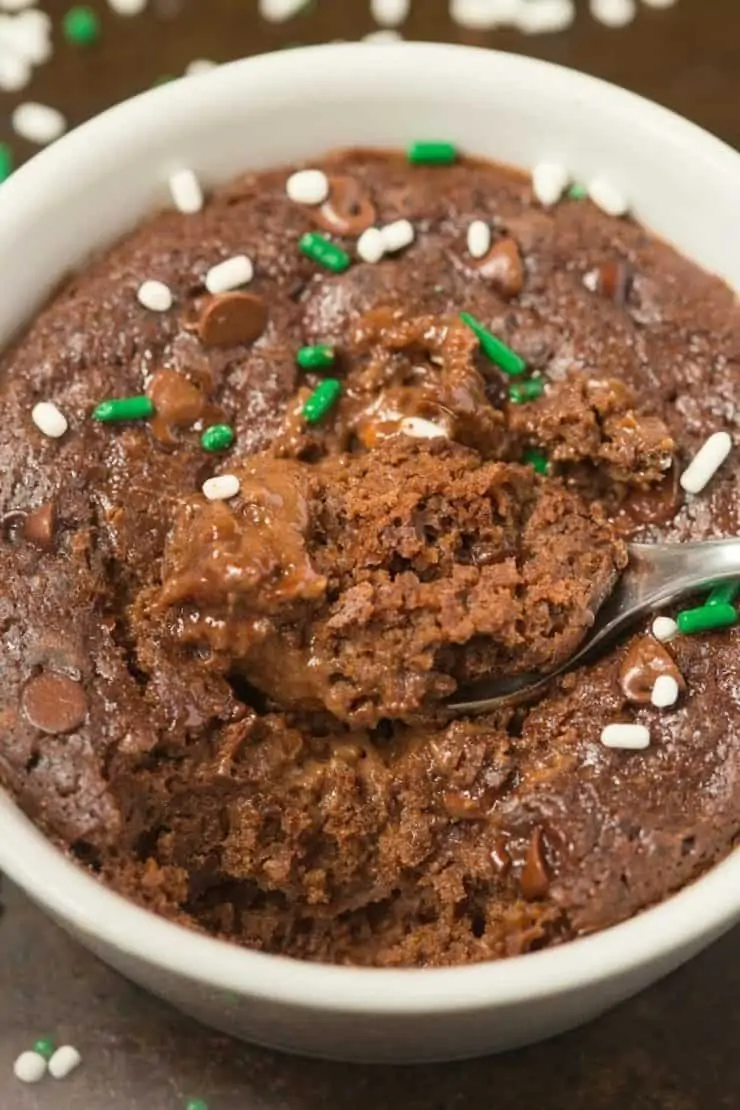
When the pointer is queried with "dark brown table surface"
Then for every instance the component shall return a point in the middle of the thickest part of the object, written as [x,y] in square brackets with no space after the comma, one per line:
[673,1048]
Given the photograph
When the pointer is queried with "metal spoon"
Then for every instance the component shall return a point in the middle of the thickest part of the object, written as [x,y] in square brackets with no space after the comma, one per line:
[656,575]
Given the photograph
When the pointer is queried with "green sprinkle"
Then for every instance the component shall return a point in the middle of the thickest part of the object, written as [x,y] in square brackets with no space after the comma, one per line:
[163,79]
[577,192]
[706,618]
[323,398]
[81,26]
[196,1104]
[45,1047]
[537,459]
[320,249]
[432,154]
[526,391]
[724,594]
[493,348]
[219,437]
[6,162]
[320,357]
[124,408]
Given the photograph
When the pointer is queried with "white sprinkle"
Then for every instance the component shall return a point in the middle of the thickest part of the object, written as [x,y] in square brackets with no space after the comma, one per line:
[27,35]
[155,295]
[397,235]
[607,197]
[308,187]
[198,66]
[221,488]
[614,13]
[591,280]
[549,182]
[15,72]
[664,629]
[230,274]
[277,11]
[483,15]
[49,420]
[64,1061]
[127,7]
[479,239]
[629,737]
[34,17]
[546,16]
[384,36]
[706,462]
[665,692]
[371,245]
[389,13]
[659,3]
[15,5]
[187,194]
[30,1067]
[418,428]
[38,123]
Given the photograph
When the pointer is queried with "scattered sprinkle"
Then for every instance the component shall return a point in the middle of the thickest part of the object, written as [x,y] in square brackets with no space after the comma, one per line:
[15,71]
[278,11]
[483,15]
[323,398]
[545,16]
[706,618]
[320,357]
[664,629]
[537,459]
[665,692]
[219,437]
[230,274]
[49,420]
[549,182]
[628,737]
[494,348]
[6,162]
[308,187]
[724,594]
[155,295]
[187,195]
[613,13]
[81,26]
[479,239]
[432,154]
[196,1104]
[320,249]
[371,245]
[127,7]
[397,235]
[222,488]
[418,428]
[577,191]
[38,123]
[27,36]
[45,1047]
[706,462]
[124,408]
[521,392]
[383,36]
[29,1067]
[390,13]
[199,66]
[64,1061]
[15,5]
[607,197]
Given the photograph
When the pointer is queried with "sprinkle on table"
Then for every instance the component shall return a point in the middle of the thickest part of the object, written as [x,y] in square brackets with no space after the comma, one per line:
[664,629]
[706,462]
[45,1047]
[219,437]
[432,154]
[706,618]
[371,245]
[6,162]
[64,1061]
[49,419]
[230,274]
[397,235]
[187,195]
[549,182]
[81,26]
[494,348]
[320,249]
[478,239]
[155,295]
[221,488]
[320,357]
[522,392]
[127,7]
[537,459]
[30,1067]
[38,123]
[321,401]
[665,692]
[15,71]
[196,1104]
[124,408]
[308,187]
[626,736]
[724,594]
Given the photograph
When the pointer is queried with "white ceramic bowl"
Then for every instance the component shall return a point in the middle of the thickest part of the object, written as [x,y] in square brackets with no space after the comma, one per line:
[91,187]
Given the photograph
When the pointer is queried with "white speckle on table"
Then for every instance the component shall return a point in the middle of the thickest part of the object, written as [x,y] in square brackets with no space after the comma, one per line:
[390,13]
[15,5]
[38,123]
[625,736]
[127,7]
[607,197]
[64,1061]
[308,187]
[198,66]
[30,1067]
[545,16]
[27,34]
[397,235]
[385,35]
[278,11]
[49,420]
[15,72]
[613,13]
[665,692]
[549,182]
[371,245]
[222,488]
[706,462]
[155,295]
[230,274]
[484,15]
[479,239]
[664,629]
[418,428]
[659,3]
[187,194]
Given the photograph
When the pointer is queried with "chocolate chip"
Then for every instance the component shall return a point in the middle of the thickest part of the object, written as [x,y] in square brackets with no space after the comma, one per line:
[614,281]
[177,402]
[534,879]
[40,525]
[348,210]
[645,660]
[503,267]
[232,318]
[54,703]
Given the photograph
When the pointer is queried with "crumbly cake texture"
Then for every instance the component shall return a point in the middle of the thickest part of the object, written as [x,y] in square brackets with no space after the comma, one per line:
[230,705]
